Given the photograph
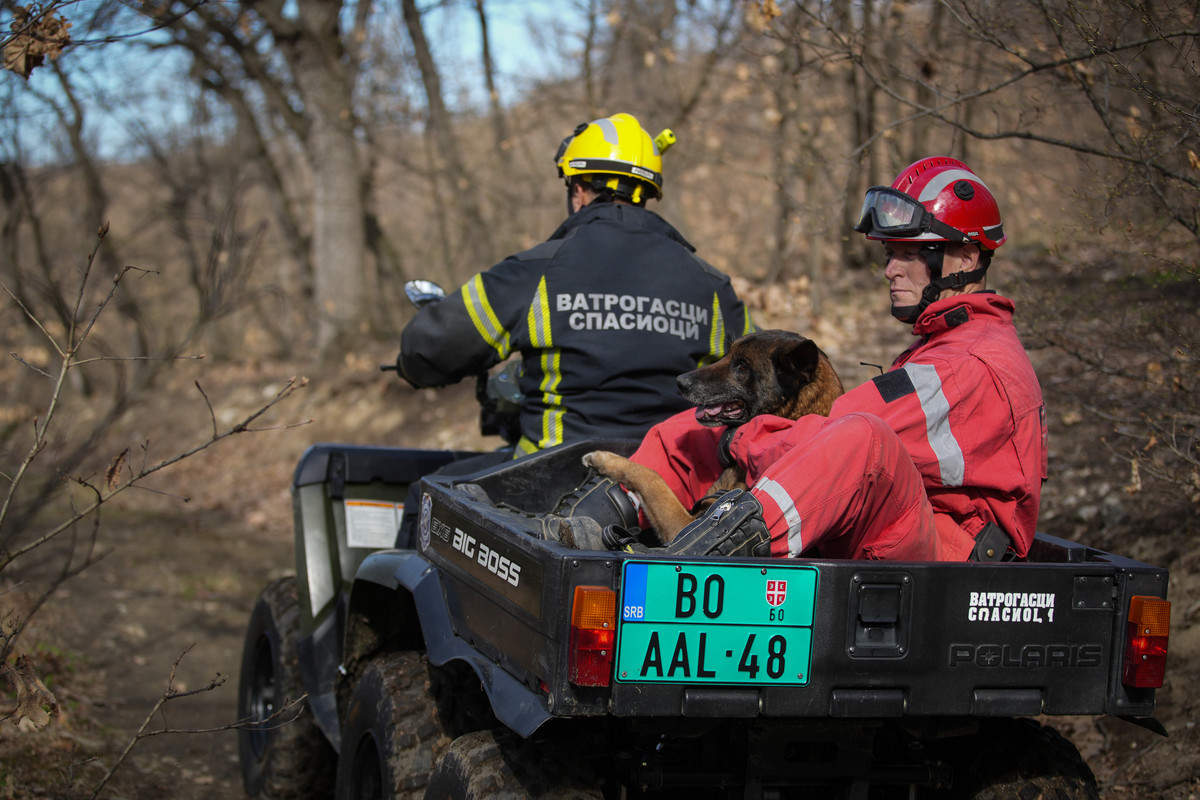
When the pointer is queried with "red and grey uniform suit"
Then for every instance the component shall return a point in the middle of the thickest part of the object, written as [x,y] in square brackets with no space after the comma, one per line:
[605,314]
[910,465]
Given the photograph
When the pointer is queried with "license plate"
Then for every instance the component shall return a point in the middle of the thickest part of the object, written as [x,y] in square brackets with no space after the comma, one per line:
[715,623]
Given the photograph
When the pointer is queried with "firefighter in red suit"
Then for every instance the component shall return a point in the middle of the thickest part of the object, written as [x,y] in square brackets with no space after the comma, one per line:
[944,451]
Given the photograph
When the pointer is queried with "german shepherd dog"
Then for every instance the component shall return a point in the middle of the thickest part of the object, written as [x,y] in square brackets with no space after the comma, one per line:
[766,372]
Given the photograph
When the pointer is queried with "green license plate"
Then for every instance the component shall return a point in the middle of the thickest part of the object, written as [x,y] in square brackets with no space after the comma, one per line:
[715,623]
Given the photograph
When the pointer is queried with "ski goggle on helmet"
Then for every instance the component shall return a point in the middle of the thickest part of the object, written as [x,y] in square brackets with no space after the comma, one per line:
[935,200]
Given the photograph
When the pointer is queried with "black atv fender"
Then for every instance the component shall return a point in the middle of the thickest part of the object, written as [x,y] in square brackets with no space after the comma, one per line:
[397,602]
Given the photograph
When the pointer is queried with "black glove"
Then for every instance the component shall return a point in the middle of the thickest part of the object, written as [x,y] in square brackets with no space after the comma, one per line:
[733,526]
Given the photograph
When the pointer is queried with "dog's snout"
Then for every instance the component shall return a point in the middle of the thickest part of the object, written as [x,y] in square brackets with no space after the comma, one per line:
[685,382]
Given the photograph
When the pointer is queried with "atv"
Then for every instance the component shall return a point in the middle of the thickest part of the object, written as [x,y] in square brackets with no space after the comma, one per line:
[487,655]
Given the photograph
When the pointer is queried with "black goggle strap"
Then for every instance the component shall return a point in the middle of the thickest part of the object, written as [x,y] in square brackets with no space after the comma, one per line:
[935,225]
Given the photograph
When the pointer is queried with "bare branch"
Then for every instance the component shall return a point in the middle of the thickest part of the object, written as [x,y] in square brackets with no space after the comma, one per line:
[284,715]
[25,363]
[82,361]
[211,414]
[242,427]
[32,318]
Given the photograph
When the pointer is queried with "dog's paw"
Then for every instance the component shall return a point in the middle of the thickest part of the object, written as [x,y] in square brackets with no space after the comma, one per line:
[600,460]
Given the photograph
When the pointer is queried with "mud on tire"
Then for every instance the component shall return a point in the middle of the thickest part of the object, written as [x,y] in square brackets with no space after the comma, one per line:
[392,732]
[1016,759]
[499,765]
[286,758]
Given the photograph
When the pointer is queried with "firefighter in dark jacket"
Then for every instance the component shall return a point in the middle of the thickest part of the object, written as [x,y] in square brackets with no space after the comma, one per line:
[604,314]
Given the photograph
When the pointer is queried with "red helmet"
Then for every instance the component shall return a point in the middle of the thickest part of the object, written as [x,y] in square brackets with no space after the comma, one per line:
[951,205]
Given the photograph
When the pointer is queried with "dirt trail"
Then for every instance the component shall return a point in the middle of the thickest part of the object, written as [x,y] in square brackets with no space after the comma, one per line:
[173,588]
[180,577]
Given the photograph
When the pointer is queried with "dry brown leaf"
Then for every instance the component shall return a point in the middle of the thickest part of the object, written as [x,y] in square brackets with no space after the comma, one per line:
[38,36]
[1135,478]
[35,703]
[112,476]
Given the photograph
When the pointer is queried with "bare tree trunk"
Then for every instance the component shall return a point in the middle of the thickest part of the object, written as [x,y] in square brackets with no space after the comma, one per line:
[591,91]
[862,122]
[321,73]
[785,205]
[338,219]
[284,210]
[440,210]
[441,133]
[785,91]
[215,76]
[339,231]
[489,77]
[929,70]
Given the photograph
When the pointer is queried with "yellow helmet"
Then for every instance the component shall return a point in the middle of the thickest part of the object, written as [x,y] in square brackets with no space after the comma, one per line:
[616,146]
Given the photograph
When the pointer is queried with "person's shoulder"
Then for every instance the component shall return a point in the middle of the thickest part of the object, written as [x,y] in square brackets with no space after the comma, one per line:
[545,250]
[991,304]
[710,269]
[652,221]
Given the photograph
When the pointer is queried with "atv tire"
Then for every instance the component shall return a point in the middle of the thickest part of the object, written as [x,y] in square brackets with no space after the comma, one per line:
[499,765]
[1016,759]
[392,732]
[286,757]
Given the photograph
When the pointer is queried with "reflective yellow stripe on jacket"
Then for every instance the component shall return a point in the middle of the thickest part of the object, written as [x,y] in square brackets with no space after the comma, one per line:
[542,339]
[716,335]
[475,299]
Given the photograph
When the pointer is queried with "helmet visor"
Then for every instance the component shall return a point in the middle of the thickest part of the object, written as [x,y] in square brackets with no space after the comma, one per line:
[889,213]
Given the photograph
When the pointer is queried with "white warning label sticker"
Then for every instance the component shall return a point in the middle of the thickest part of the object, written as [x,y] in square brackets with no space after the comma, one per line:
[372,524]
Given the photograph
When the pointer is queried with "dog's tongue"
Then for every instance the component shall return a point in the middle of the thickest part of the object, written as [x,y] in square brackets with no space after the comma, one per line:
[709,414]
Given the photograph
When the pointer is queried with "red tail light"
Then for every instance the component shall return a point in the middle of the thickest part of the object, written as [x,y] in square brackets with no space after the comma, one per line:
[1146,642]
[593,633]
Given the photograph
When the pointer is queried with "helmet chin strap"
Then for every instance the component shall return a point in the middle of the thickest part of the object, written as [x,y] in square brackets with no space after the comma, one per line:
[933,255]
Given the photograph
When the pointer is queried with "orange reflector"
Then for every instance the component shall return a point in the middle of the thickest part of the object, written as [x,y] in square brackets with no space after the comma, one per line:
[1146,642]
[1152,615]
[593,633]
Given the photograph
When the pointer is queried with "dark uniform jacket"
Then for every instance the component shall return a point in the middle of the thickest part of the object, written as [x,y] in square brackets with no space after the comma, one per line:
[605,314]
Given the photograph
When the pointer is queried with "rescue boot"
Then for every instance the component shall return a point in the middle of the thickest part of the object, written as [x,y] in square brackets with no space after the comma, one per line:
[581,533]
[600,498]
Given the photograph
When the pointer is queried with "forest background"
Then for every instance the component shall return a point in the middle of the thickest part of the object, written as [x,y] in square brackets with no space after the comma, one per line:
[202,201]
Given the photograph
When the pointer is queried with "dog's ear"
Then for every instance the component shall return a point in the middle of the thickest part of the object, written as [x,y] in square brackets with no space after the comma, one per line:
[798,362]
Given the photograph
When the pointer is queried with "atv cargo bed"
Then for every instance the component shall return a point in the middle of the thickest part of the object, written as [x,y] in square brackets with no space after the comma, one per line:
[772,638]
[477,649]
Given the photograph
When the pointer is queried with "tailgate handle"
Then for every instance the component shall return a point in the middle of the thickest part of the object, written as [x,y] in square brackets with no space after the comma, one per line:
[878,621]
